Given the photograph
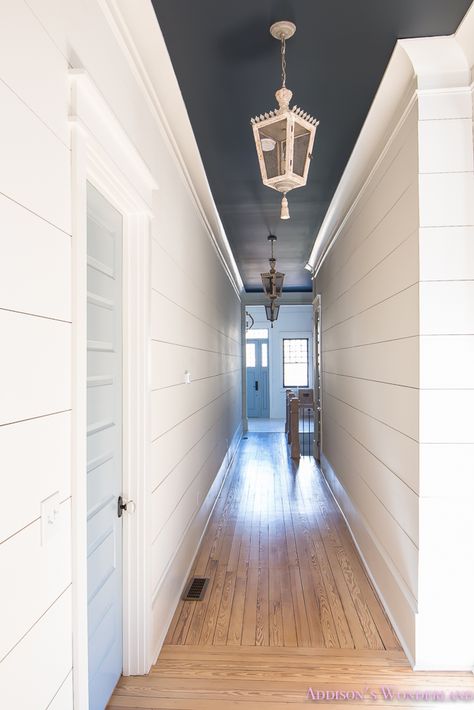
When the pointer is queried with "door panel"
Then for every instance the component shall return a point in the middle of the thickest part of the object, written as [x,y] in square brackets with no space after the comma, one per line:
[264,384]
[257,378]
[251,360]
[104,446]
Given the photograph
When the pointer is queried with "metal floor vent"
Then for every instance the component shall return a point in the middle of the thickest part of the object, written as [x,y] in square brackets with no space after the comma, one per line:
[196,589]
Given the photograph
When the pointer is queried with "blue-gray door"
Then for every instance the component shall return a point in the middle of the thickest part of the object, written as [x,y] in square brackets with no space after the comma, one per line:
[258,400]
[104,446]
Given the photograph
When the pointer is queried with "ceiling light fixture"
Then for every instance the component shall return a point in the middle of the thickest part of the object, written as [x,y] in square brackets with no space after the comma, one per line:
[272,311]
[284,137]
[272,284]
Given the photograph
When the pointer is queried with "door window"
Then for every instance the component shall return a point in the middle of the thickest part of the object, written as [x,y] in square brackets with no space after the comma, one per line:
[257,334]
[250,355]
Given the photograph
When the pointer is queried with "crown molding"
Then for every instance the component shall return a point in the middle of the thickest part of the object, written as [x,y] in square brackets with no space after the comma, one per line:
[325,247]
[139,36]
[289,298]
[428,64]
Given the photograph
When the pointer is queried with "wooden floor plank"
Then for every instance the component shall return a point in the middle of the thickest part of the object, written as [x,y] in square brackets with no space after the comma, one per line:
[262,633]
[347,622]
[379,616]
[212,610]
[200,610]
[277,655]
[235,631]
[249,620]
[274,571]
[300,554]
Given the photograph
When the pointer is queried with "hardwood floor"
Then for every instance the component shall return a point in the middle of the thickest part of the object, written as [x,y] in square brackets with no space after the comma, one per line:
[283,570]
[288,606]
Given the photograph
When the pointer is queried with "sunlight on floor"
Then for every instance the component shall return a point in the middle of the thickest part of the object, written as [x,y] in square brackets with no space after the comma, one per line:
[264,426]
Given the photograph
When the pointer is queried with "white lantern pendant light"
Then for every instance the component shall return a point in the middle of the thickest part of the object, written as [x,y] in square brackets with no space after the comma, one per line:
[284,137]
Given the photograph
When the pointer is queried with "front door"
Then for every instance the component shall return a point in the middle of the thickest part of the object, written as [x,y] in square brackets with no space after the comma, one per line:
[104,446]
[258,404]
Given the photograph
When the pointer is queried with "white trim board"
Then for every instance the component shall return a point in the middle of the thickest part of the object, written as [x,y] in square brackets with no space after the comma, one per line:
[92,151]
[288,298]
[111,145]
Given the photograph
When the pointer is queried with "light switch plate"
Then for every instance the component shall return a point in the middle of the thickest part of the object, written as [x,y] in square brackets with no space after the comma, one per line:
[50,517]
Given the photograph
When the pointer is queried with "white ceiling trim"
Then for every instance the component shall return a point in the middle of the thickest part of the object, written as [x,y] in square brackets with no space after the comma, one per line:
[288,298]
[425,64]
[136,28]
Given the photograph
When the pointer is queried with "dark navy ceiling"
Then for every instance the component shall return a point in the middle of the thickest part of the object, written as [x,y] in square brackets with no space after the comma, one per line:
[228,68]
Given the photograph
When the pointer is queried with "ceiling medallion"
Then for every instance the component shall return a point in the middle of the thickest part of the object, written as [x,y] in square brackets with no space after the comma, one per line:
[272,285]
[284,137]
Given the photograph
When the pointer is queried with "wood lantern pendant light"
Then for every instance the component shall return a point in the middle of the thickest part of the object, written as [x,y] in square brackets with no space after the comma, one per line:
[284,137]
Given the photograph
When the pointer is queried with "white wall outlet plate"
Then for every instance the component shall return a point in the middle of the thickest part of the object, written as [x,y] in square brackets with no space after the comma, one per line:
[187,378]
[50,517]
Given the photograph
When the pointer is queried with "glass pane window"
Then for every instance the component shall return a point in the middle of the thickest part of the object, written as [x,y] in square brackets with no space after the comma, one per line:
[250,354]
[264,354]
[257,334]
[295,362]
[300,152]
[273,144]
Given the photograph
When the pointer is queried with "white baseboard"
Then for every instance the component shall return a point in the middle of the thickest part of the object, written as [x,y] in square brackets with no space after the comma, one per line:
[454,628]
[398,602]
[169,592]
[443,668]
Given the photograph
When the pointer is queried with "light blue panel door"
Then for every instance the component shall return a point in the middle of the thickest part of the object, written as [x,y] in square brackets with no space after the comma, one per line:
[258,400]
[104,446]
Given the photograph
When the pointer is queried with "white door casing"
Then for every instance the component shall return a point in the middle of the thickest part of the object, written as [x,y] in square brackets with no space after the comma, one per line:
[103,155]
[317,379]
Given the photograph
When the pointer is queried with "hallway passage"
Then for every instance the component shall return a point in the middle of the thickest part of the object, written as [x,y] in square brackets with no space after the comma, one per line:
[282,569]
[288,605]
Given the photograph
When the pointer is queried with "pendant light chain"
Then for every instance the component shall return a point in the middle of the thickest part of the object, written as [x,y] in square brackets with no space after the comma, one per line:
[283,63]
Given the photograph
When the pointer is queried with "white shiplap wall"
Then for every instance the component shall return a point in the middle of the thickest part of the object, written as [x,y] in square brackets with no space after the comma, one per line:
[370,323]
[195,326]
[397,295]
[35,386]
[446,566]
